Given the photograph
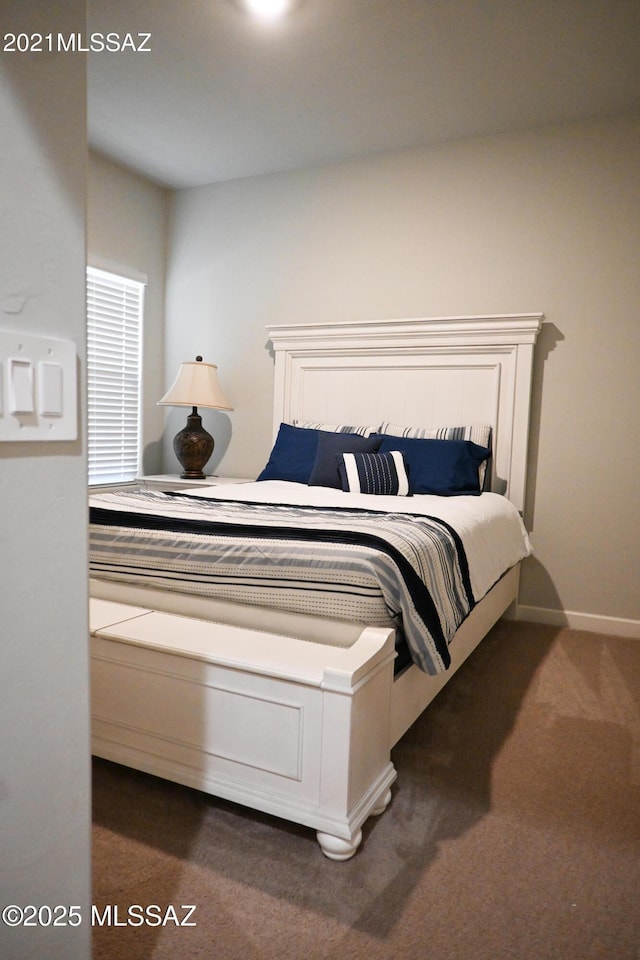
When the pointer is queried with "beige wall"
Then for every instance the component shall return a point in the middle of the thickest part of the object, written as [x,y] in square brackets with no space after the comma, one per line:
[546,220]
[44,714]
[126,227]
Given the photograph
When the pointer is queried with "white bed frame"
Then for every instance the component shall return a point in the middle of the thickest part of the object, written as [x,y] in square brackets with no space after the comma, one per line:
[304,730]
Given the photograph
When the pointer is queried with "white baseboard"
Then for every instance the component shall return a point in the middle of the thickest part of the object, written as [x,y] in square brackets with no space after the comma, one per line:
[614,626]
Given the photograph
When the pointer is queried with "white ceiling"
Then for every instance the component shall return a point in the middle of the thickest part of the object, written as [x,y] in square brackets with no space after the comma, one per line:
[222,96]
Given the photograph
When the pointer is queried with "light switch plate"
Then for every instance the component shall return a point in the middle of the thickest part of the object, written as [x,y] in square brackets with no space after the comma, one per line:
[38,388]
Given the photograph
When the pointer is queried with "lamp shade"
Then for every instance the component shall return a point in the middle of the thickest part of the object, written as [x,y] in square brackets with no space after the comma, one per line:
[196,386]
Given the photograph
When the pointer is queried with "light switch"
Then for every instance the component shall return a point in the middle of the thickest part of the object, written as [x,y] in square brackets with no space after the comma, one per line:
[20,386]
[38,388]
[50,389]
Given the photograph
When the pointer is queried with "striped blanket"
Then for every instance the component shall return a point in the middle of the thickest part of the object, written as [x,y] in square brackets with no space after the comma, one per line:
[345,563]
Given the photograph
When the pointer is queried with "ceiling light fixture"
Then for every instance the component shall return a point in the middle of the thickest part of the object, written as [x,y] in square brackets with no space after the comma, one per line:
[267,9]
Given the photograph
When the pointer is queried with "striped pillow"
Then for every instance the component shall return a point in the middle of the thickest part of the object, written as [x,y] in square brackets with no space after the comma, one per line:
[383,474]
[334,427]
[479,433]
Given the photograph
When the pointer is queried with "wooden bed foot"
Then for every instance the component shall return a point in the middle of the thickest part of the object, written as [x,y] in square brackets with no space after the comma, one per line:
[382,804]
[336,848]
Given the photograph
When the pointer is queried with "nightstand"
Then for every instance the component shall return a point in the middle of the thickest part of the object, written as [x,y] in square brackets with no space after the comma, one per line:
[173,481]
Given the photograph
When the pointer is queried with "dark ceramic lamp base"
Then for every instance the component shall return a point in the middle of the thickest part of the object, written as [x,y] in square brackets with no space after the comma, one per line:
[193,447]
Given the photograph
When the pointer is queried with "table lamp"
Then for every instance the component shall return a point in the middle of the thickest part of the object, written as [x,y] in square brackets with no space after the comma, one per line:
[195,386]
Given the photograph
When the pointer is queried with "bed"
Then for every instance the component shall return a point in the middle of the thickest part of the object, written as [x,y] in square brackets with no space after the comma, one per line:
[270,642]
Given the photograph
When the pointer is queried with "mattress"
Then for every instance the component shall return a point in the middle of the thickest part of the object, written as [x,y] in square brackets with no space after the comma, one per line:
[419,563]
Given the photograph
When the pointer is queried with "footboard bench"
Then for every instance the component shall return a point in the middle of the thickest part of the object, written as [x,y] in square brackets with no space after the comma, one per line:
[289,727]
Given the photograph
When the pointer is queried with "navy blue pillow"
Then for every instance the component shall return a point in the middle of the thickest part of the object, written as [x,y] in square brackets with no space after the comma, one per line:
[444,467]
[331,446]
[293,455]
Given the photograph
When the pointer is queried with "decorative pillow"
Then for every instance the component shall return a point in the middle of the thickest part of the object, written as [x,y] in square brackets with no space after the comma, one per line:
[377,473]
[444,467]
[292,456]
[329,452]
[335,427]
[479,433]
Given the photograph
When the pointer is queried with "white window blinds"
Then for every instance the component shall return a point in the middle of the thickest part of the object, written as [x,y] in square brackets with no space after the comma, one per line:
[114,338]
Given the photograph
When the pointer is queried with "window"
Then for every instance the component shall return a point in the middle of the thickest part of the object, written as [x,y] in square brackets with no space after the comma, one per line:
[114,347]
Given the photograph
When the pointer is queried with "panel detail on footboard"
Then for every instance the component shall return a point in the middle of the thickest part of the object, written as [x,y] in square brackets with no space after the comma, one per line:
[202,713]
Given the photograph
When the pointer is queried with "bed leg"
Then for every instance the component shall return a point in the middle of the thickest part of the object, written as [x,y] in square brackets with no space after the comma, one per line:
[382,804]
[336,848]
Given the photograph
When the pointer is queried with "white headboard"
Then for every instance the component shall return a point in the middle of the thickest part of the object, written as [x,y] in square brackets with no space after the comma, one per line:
[442,371]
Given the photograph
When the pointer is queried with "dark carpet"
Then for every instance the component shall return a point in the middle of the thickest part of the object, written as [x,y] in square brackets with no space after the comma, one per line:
[514,832]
